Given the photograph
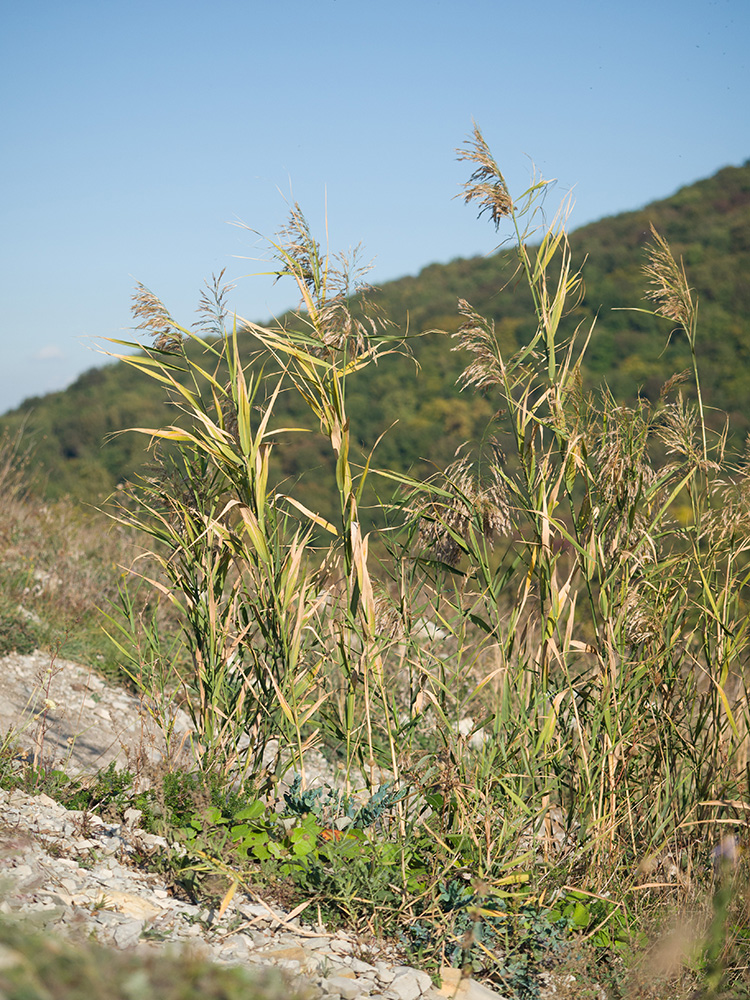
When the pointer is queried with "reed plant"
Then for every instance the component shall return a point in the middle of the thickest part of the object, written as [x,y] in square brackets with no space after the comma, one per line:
[545,645]
[234,552]
[616,614]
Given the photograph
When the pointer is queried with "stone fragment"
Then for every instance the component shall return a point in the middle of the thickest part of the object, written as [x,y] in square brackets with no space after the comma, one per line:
[422,978]
[360,967]
[252,910]
[347,989]
[342,946]
[128,934]
[286,939]
[81,844]
[123,902]
[291,954]
[48,803]
[384,972]
[342,970]
[405,986]
[288,965]
[313,944]
[461,988]
[238,944]
[132,817]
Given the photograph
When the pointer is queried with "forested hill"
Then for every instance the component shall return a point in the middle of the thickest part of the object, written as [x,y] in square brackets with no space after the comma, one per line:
[707,223]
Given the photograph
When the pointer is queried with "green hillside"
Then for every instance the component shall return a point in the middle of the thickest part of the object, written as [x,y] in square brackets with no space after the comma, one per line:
[707,223]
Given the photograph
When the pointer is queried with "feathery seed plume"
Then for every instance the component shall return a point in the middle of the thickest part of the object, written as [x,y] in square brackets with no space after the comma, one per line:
[155,318]
[670,289]
[487,184]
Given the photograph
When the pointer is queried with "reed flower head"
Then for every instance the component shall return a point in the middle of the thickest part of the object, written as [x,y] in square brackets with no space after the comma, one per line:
[486,184]
[212,307]
[678,431]
[335,296]
[348,319]
[672,382]
[625,482]
[389,622]
[669,287]
[621,457]
[299,252]
[446,519]
[641,619]
[477,336]
[677,427]
[156,319]
[728,520]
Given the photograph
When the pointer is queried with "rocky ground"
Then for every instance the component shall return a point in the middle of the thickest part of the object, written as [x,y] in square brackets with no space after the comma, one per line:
[72,873]
[69,716]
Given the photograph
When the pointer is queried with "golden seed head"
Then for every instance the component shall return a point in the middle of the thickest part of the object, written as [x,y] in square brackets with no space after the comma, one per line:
[486,184]
[445,519]
[154,317]
[669,289]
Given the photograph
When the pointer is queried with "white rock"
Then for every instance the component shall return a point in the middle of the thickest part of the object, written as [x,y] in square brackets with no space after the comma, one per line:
[133,817]
[422,978]
[340,946]
[384,972]
[128,934]
[347,989]
[406,986]
[460,988]
[360,967]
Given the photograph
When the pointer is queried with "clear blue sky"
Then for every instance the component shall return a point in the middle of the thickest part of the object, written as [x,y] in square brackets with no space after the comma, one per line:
[133,132]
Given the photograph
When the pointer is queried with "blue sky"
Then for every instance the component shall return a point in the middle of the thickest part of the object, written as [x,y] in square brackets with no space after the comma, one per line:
[134,133]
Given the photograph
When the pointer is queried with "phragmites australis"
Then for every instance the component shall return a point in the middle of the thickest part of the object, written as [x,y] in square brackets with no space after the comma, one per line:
[156,319]
[486,185]
[477,336]
[212,307]
[466,501]
[340,313]
[669,287]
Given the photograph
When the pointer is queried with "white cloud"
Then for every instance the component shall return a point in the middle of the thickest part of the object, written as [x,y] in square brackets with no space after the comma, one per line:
[50,352]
